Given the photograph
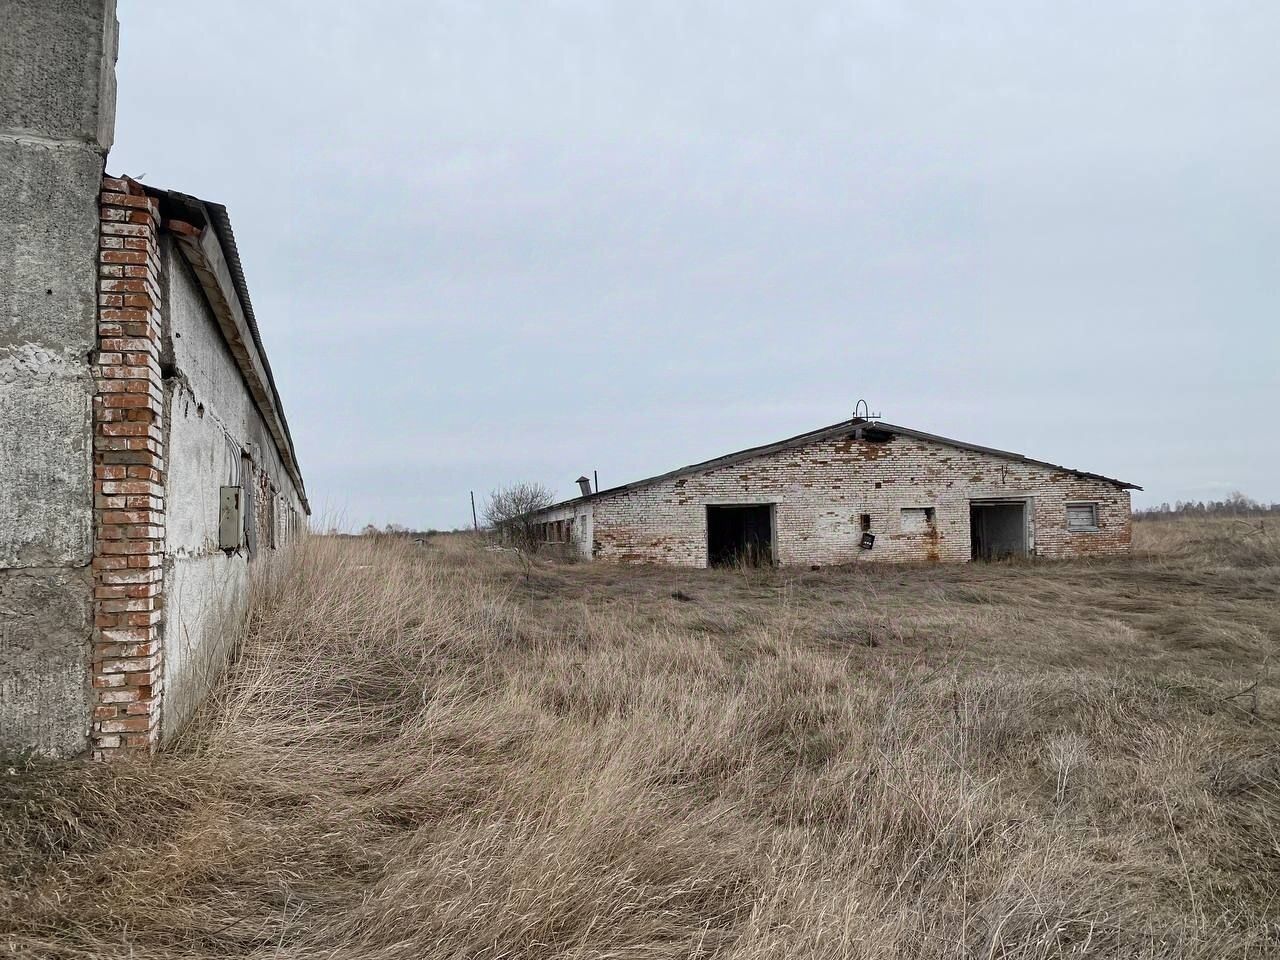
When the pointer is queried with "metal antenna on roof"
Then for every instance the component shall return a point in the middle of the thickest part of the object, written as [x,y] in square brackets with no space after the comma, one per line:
[866,411]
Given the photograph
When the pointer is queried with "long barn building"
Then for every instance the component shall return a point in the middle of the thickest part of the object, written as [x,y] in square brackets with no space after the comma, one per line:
[146,466]
[857,491]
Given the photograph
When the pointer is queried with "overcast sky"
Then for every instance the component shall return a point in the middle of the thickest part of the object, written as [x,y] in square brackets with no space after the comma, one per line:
[503,241]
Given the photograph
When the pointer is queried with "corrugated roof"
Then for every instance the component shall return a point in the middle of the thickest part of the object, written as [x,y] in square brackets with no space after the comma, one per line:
[226,236]
[207,214]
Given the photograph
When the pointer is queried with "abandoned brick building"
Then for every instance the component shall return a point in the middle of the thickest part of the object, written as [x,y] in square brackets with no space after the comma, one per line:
[857,491]
[144,455]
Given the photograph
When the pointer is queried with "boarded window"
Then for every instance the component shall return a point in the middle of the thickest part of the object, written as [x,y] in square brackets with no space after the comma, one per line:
[1082,516]
[917,519]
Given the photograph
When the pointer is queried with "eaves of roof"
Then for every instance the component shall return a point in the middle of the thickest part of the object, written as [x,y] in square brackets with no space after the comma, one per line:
[844,428]
[208,243]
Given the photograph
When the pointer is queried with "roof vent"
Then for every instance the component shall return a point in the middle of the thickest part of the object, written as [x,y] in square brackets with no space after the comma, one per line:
[585,486]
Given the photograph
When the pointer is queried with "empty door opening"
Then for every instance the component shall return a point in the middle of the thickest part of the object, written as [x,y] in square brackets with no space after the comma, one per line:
[998,529]
[740,534]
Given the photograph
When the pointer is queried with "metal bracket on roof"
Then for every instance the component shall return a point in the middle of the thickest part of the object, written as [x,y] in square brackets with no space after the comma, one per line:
[866,411]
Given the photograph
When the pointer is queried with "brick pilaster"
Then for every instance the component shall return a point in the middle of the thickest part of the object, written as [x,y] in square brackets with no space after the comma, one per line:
[128,459]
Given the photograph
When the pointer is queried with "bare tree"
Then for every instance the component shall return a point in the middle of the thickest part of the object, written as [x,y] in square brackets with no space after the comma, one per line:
[509,510]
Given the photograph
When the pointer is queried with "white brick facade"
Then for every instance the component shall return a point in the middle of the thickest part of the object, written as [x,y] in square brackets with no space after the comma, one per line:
[821,489]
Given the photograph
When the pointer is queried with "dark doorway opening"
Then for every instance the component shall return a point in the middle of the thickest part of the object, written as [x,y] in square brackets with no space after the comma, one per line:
[998,529]
[740,534]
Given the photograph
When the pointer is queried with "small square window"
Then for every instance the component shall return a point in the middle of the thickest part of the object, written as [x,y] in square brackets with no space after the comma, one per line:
[1082,516]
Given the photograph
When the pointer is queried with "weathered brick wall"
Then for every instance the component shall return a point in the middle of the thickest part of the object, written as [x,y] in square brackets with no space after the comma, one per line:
[173,421]
[821,490]
[128,454]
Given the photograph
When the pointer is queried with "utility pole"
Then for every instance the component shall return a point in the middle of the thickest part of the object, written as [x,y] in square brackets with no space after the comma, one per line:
[474,522]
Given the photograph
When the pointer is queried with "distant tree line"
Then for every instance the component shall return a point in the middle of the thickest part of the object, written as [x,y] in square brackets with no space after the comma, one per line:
[1234,505]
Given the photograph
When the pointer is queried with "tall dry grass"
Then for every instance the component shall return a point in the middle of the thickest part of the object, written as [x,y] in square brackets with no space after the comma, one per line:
[442,752]
[1245,541]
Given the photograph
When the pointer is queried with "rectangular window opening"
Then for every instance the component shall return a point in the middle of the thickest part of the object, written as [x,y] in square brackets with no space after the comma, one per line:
[1082,517]
[864,522]
[247,481]
[918,519]
[271,516]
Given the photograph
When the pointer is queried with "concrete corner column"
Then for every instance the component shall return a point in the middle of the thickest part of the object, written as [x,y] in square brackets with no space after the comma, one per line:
[57,116]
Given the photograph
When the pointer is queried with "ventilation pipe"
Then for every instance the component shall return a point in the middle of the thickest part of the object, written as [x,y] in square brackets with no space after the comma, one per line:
[585,486]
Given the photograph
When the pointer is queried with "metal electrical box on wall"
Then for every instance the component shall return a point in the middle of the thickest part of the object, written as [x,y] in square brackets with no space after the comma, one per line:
[231,518]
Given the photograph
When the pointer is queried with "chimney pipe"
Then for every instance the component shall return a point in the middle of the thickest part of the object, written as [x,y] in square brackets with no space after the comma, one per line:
[585,486]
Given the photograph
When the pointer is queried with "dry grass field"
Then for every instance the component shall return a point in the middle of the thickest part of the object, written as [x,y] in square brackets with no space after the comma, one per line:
[438,752]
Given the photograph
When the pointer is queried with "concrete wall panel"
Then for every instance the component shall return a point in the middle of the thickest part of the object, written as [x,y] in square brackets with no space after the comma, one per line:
[57,68]
[57,110]
[46,516]
[45,624]
[48,304]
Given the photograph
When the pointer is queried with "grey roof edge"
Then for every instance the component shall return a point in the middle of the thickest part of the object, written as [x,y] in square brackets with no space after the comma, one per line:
[222,225]
[216,216]
[834,430]
[1008,455]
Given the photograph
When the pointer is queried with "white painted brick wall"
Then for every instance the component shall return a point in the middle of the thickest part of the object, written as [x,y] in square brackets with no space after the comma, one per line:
[821,490]
[579,513]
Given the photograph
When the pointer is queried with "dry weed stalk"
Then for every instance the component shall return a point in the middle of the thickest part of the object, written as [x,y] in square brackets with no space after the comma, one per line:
[426,753]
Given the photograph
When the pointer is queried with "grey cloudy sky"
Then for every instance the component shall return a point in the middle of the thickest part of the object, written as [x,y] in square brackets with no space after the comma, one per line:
[517,240]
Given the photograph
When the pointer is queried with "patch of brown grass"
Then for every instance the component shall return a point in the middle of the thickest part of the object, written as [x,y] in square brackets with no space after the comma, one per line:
[439,753]
[1242,541]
